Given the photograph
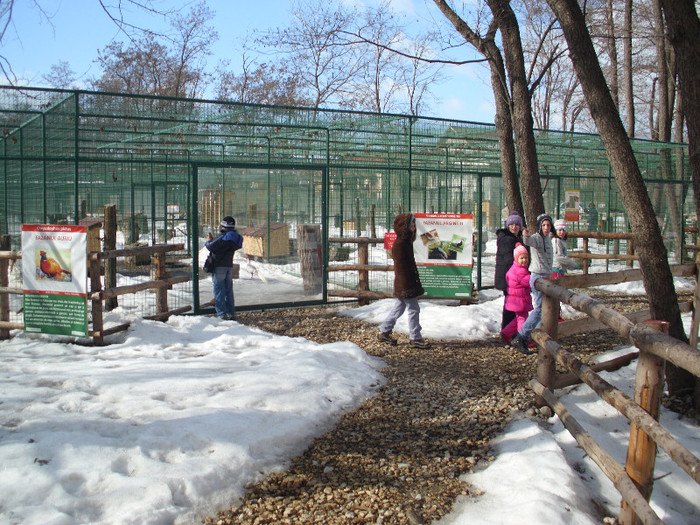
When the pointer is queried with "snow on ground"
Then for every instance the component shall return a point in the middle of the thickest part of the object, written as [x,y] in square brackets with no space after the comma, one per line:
[186,413]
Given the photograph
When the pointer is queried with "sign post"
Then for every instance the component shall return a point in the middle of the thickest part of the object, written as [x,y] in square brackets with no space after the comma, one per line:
[54,273]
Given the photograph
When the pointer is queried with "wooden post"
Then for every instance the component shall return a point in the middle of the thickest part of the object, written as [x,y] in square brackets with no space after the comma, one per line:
[586,262]
[372,221]
[695,324]
[641,454]
[310,257]
[4,283]
[96,286]
[363,277]
[546,365]
[110,243]
[358,219]
[630,251]
[252,215]
[161,273]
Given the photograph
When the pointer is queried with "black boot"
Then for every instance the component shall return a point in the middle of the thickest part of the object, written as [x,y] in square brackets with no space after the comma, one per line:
[518,342]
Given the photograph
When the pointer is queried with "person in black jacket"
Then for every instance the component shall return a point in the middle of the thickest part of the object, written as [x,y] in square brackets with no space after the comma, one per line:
[506,239]
[223,247]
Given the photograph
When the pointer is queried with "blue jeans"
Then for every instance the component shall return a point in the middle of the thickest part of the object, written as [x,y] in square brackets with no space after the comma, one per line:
[400,305]
[535,316]
[222,278]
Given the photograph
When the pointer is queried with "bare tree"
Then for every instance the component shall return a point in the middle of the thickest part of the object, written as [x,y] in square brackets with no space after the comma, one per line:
[656,273]
[61,75]
[314,50]
[627,68]
[192,40]
[521,109]
[154,65]
[486,45]
[260,84]
[115,12]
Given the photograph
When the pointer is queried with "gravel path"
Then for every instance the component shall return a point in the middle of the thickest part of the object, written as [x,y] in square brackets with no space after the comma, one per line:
[397,459]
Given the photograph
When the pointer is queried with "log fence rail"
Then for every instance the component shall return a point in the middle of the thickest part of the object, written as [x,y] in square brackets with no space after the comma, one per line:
[634,480]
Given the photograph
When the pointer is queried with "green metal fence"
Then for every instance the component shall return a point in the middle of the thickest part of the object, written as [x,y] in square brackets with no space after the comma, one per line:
[174,167]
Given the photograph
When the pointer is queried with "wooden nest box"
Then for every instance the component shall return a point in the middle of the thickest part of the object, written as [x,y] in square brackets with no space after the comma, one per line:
[255,240]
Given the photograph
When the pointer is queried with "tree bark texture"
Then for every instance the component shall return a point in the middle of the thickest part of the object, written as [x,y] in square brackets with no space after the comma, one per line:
[683,30]
[656,273]
[503,120]
[627,65]
[521,108]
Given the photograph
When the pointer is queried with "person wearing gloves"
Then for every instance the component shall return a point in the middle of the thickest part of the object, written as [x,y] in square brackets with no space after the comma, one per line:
[223,247]
[542,254]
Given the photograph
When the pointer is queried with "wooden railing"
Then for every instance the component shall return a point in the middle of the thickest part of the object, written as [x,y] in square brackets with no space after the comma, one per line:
[634,481]
[98,295]
[362,293]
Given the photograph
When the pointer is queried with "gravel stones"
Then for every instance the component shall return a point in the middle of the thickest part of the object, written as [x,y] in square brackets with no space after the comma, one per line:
[398,458]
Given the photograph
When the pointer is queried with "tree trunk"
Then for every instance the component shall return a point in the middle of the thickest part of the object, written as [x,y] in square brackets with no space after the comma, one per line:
[627,65]
[664,114]
[656,273]
[683,30]
[503,120]
[521,108]
[612,52]
[504,130]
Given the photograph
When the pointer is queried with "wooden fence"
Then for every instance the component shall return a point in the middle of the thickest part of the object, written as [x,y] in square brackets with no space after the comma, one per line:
[630,256]
[634,481]
[97,261]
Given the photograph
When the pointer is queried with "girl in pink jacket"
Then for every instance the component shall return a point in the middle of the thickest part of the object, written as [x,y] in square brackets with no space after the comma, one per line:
[518,299]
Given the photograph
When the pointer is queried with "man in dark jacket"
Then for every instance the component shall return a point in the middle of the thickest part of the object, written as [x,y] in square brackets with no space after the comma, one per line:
[223,247]
[506,239]
[407,286]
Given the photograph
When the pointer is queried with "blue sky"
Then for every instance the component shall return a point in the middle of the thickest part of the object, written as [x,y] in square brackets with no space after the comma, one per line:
[77,29]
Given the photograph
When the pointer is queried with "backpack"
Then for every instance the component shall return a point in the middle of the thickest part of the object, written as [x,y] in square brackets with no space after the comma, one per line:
[210,263]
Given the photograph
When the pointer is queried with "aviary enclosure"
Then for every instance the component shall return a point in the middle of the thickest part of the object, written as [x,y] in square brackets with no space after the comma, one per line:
[174,167]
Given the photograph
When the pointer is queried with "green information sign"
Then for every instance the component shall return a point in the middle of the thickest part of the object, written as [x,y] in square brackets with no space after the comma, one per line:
[55,314]
[446,281]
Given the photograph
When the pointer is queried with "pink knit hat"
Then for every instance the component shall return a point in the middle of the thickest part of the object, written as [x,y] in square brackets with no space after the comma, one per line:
[560,224]
[519,250]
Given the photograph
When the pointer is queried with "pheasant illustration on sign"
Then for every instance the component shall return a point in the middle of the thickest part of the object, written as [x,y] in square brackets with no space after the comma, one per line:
[52,269]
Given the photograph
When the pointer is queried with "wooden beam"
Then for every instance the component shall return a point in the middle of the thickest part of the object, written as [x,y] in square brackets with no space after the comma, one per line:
[622,402]
[361,267]
[587,324]
[139,287]
[138,250]
[611,468]
[564,380]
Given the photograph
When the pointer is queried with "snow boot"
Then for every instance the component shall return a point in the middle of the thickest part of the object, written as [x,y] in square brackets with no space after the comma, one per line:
[385,337]
[518,342]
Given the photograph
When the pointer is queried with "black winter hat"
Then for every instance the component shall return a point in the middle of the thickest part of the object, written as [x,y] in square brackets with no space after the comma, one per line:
[228,223]
[544,217]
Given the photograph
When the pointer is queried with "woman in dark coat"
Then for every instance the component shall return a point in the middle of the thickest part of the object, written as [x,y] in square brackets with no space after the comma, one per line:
[506,239]
[407,285]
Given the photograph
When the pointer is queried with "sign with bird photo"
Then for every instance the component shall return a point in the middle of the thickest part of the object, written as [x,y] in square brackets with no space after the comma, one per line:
[54,276]
[443,249]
